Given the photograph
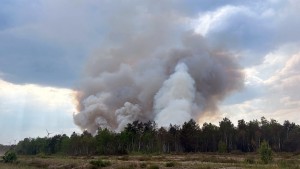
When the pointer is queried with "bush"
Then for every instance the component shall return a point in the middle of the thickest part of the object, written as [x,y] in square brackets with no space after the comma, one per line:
[222,147]
[265,152]
[170,164]
[9,157]
[100,163]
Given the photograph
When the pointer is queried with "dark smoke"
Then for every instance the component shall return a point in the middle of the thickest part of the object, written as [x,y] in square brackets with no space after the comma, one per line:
[154,70]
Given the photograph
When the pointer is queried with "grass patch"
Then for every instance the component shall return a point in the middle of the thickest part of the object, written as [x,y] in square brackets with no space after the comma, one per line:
[145,158]
[123,158]
[153,166]
[249,160]
[130,166]
[289,164]
[214,159]
[38,163]
[15,166]
[203,166]
[143,165]
[100,163]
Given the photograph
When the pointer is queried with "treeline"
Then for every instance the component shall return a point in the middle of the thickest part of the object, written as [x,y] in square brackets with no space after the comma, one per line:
[147,138]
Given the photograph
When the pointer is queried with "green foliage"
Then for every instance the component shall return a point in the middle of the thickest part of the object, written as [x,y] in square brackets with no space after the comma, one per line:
[144,137]
[222,147]
[265,152]
[100,163]
[9,157]
[188,136]
[170,164]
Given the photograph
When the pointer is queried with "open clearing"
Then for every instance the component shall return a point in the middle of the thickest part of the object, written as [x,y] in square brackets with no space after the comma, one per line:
[177,161]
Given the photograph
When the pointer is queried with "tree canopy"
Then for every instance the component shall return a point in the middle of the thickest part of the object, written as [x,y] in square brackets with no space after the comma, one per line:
[146,137]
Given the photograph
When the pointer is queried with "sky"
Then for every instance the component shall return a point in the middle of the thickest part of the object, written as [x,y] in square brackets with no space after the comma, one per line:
[45,46]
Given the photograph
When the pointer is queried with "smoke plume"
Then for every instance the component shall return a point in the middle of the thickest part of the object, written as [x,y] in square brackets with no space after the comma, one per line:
[174,101]
[154,70]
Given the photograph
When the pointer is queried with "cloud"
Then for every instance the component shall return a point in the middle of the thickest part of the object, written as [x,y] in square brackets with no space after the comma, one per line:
[28,110]
[277,79]
[251,30]
[47,42]
[38,45]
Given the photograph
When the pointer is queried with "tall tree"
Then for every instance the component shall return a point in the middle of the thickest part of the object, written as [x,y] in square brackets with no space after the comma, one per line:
[209,137]
[227,132]
[189,136]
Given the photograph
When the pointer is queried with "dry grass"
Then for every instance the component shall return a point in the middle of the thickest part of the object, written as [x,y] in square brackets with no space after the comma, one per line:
[177,161]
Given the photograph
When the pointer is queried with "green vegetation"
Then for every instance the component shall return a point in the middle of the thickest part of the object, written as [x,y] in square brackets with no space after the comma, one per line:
[222,147]
[9,157]
[100,163]
[140,138]
[265,152]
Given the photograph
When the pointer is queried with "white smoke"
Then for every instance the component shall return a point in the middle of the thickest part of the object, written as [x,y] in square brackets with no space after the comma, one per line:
[154,70]
[174,101]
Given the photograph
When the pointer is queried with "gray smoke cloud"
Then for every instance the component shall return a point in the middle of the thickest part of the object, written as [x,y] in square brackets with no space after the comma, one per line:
[153,68]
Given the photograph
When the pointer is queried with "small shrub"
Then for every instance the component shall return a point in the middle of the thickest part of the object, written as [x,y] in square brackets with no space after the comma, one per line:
[250,160]
[145,158]
[153,167]
[222,147]
[143,165]
[100,163]
[170,164]
[265,152]
[9,157]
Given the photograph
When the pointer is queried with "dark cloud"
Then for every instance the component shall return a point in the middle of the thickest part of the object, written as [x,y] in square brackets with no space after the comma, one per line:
[25,60]
[58,35]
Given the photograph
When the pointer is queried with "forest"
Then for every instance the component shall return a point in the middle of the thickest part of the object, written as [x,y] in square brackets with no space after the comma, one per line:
[146,137]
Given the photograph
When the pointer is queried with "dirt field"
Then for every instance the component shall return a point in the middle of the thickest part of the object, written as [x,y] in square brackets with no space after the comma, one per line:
[179,161]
